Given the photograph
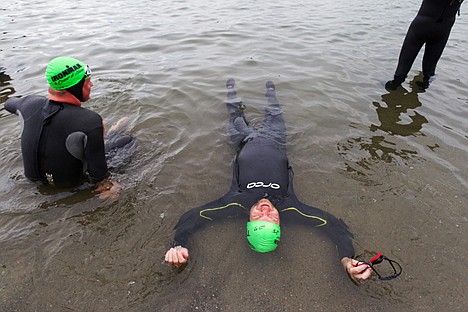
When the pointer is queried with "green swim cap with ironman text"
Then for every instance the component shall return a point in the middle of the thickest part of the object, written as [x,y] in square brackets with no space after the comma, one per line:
[263,236]
[64,72]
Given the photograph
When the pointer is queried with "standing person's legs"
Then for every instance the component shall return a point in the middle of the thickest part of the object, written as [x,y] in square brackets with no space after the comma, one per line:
[273,124]
[238,127]
[409,51]
[435,48]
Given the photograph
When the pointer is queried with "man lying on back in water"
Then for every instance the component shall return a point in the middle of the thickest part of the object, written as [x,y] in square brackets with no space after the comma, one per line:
[262,181]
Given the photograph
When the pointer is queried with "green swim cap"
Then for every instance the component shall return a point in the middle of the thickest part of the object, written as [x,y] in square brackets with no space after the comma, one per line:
[263,236]
[64,72]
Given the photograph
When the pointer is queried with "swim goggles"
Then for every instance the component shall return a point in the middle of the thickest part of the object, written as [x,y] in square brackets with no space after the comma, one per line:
[87,72]
[379,258]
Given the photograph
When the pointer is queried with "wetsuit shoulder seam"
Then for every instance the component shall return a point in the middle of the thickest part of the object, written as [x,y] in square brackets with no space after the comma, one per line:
[324,221]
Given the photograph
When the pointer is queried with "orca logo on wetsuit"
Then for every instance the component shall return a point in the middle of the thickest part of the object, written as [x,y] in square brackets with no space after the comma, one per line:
[262,184]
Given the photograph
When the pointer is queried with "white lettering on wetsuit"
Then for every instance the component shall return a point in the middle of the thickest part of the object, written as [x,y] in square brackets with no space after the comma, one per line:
[262,184]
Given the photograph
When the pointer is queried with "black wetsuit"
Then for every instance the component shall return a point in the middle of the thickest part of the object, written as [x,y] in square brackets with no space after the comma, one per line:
[60,142]
[432,27]
[261,169]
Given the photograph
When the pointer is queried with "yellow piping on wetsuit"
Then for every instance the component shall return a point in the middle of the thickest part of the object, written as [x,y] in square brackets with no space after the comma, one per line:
[218,208]
[306,215]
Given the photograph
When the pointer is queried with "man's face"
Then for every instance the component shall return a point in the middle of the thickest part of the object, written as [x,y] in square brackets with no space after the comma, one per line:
[263,210]
[87,89]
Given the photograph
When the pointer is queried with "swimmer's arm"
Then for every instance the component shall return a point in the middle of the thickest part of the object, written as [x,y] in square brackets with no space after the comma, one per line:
[339,233]
[192,221]
[94,152]
[195,219]
[12,105]
[188,223]
[336,230]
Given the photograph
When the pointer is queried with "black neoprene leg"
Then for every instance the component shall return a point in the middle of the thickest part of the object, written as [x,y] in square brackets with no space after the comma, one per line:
[409,51]
[435,48]
[273,123]
[238,127]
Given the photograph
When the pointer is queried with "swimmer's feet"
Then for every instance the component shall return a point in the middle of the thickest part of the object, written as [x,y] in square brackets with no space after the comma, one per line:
[230,83]
[119,126]
[392,85]
[270,85]
[424,84]
[233,103]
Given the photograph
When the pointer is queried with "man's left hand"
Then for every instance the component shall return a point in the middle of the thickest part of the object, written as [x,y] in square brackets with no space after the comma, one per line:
[356,270]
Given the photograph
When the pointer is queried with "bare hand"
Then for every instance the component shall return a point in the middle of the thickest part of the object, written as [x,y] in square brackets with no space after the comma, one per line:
[177,256]
[108,189]
[355,269]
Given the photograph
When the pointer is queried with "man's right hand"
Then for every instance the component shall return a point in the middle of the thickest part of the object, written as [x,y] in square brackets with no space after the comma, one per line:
[177,256]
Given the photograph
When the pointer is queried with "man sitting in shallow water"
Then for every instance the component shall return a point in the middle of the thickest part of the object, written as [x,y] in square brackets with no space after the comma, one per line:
[62,142]
[262,180]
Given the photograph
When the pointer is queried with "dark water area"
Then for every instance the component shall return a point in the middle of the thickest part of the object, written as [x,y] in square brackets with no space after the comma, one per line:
[393,166]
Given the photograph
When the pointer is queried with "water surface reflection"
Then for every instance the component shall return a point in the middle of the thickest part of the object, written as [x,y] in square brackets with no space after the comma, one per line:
[6,90]
[399,116]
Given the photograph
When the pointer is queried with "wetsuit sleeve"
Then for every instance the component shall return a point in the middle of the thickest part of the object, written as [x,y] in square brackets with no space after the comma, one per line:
[95,153]
[196,218]
[12,105]
[335,229]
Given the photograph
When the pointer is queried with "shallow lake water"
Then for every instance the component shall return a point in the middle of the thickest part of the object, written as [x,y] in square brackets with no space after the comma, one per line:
[393,166]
